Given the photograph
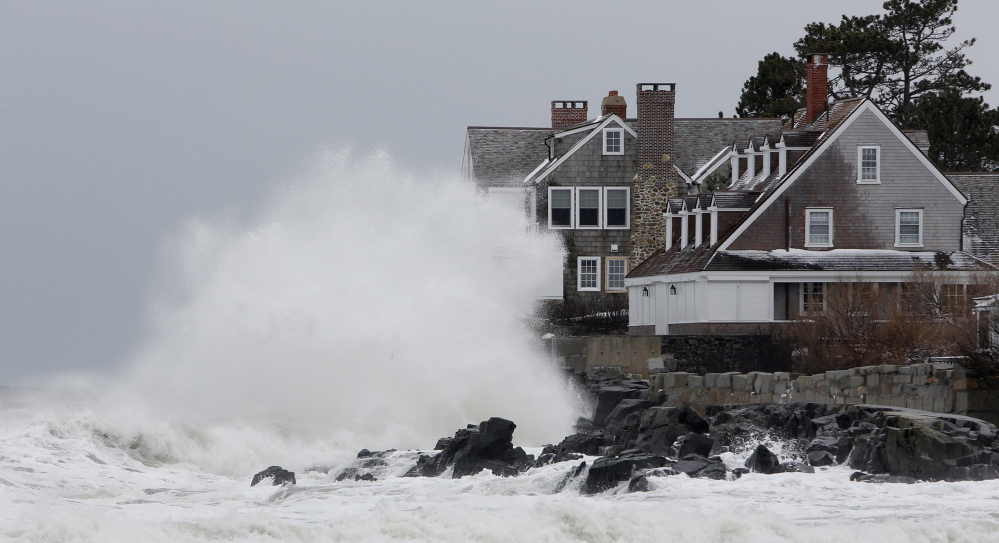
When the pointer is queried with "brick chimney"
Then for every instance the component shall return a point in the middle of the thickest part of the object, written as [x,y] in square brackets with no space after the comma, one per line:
[612,103]
[656,180]
[566,113]
[817,84]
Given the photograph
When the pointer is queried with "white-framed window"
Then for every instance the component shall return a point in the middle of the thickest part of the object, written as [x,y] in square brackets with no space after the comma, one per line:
[613,141]
[588,207]
[617,268]
[869,164]
[560,200]
[819,227]
[813,298]
[588,273]
[617,208]
[908,228]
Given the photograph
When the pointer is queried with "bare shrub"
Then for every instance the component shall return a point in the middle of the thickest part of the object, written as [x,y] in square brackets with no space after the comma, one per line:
[866,323]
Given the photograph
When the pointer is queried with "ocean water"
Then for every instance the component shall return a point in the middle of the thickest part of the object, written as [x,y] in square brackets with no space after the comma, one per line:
[70,474]
[365,306]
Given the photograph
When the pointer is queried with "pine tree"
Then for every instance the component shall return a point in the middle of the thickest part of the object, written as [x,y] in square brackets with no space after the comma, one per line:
[777,89]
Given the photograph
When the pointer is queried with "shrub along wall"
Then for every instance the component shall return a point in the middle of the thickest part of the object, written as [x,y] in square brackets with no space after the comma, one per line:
[937,387]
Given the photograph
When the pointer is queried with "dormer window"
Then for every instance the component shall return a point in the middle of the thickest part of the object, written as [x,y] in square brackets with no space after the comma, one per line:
[869,164]
[613,141]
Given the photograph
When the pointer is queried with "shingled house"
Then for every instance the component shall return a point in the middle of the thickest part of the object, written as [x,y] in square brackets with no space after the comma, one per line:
[601,183]
[838,194]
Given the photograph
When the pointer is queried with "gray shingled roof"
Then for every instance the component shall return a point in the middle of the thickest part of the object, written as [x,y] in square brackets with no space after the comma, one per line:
[981,216]
[703,258]
[699,140]
[844,260]
[735,200]
[502,157]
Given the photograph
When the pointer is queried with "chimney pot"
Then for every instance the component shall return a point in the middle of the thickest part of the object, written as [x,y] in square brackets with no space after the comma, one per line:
[612,103]
[566,113]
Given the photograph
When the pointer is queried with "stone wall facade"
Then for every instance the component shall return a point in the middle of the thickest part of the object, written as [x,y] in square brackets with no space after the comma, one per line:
[724,353]
[656,180]
[936,387]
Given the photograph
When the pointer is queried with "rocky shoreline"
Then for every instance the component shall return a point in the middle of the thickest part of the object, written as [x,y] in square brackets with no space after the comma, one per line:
[635,438]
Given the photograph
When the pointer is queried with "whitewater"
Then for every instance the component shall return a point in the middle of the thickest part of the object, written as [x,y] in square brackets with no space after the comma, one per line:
[368,307]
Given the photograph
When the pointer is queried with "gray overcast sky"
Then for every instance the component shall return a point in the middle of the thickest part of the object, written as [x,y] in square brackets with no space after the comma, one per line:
[119,120]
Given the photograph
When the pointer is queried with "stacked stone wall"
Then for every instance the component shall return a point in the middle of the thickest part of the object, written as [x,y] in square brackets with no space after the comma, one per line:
[936,387]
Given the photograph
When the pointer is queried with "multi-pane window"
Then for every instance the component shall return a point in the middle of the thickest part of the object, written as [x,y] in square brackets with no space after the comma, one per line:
[560,212]
[617,268]
[909,227]
[813,298]
[589,208]
[818,228]
[869,169]
[589,273]
[613,141]
[617,208]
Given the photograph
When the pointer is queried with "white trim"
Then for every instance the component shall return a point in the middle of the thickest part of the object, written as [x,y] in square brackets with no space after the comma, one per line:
[860,165]
[607,262]
[572,208]
[578,209]
[627,209]
[683,175]
[710,166]
[698,228]
[684,229]
[594,131]
[535,170]
[620,132]
[808,226]
[579,274]
[898,227]
[668,217]
[866,106]
[714,226]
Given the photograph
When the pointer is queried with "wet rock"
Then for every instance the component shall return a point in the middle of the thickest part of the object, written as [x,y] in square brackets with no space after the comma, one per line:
[606,473]
[608,397]
[820,458]
[354,474]
[696,444]
[639,483]
[570,476]
[763,461]
[488,445]
[280,476]
[581,444]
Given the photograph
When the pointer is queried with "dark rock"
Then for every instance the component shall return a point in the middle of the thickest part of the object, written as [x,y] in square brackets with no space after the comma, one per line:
[739,472]
[820,458]
[280,476]
[569,477]
[696,444]
[579,443]
[639,483]
[443,443]
[691,464]
[763,461]
[625,408]
[488,445]
[606,473]
[714,470]
[355,475]
[608,397]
